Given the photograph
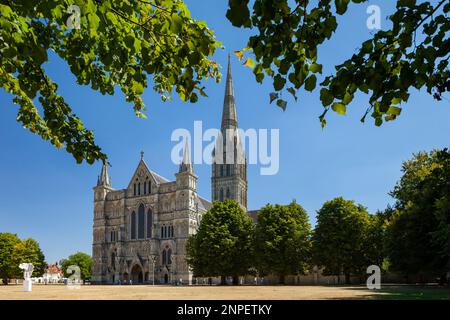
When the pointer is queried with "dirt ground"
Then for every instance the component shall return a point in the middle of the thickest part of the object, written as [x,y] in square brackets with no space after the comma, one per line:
[148,292]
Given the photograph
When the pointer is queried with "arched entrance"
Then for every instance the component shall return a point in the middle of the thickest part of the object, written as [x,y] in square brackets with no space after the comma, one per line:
[136,275]
[166,278]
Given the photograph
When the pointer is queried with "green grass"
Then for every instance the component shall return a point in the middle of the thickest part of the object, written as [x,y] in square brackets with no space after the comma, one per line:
[413,293]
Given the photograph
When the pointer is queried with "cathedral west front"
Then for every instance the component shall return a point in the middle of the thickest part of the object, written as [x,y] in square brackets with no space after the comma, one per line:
[140,232]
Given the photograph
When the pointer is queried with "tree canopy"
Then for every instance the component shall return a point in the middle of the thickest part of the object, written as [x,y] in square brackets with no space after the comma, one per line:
[107,44]
[14,251]
[419,232]
[282,240]
[131,45]
[223,243]
[339,243]
[80,259]
[412,53]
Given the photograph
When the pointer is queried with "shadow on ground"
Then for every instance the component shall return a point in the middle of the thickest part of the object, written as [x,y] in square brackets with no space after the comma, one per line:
[405,292]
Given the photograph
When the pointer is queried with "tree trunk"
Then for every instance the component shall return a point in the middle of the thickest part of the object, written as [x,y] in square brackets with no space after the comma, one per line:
[347,278]
[235,280]
[282,279]
[5,281]
[223,280]
[443,279]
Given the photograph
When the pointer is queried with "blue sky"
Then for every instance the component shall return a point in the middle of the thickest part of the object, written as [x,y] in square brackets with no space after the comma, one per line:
[44,194]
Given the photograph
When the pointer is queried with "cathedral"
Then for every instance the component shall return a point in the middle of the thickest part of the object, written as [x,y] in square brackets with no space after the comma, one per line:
[140,232]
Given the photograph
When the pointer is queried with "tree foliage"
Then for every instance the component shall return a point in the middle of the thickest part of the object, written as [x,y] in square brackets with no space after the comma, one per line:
[8,242]
[223,243]
[419,233]
[134,44]
[107,44]
[80,259]
[339,239]
[14,251]
[412,53]
[282,240]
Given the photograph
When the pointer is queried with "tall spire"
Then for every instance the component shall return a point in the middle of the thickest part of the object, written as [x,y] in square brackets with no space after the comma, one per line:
[186,165]
[104,179]
[229,117]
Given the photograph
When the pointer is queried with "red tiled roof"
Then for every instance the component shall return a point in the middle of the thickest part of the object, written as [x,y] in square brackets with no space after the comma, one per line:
[53,269]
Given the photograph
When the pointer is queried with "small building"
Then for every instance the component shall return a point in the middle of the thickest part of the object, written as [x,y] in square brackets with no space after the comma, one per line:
[53,274]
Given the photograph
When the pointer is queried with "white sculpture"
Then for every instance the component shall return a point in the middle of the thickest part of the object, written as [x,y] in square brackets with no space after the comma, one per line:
[27,272]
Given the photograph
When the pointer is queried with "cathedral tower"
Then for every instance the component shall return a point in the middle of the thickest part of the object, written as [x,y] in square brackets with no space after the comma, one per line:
[101,190]
[229,168]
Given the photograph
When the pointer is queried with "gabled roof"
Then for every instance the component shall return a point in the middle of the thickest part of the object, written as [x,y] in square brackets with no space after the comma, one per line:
[154,176]
[204,204]
[160,179]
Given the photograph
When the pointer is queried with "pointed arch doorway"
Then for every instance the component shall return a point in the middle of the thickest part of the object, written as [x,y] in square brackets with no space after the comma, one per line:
[137,276]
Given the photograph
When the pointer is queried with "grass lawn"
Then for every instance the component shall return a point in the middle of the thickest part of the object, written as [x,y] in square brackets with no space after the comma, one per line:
[407,292]
[146,292]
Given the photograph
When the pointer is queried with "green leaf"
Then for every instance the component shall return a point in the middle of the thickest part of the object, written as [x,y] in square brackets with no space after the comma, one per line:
[273,96]
[395,111]
[339,108]
[378,122]
[238,13]
[94,21]
[396,101]
[316,68]
[292,92]
[138,88]
[341,6]
[347,98]
[111,17]
[176,24]
[282,104]
[278,82]
[310,83]
[326,97]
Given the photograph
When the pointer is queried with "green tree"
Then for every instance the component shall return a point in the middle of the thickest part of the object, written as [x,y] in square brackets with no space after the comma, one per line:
[339,238]
[28,250]
[107,44]
[374,245]
[14,251]
[80,259]
[223,244]
[8,269]
[419,231]
[282,240]
[287,36]
[111,44]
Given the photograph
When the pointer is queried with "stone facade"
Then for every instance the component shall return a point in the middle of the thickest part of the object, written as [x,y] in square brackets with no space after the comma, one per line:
[140,233]
[144,228]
